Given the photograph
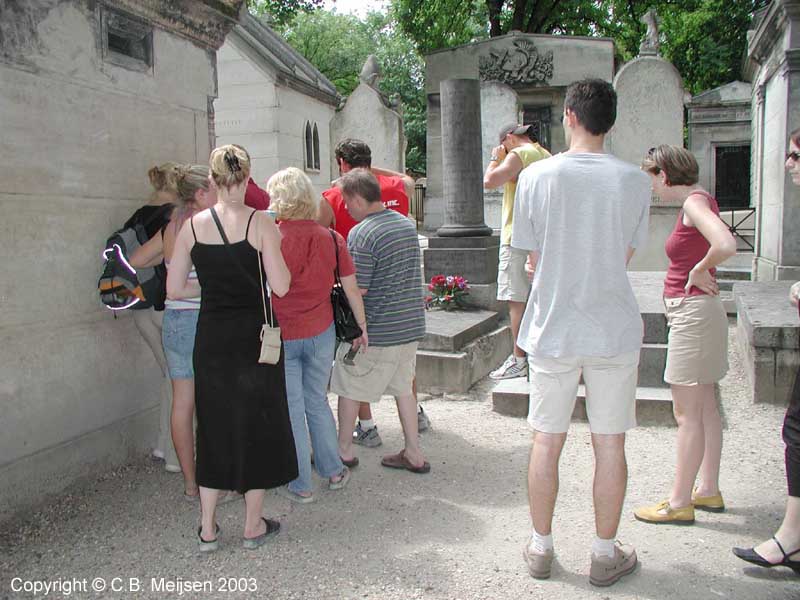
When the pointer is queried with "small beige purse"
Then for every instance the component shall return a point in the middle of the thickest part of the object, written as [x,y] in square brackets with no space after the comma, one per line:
[270,336]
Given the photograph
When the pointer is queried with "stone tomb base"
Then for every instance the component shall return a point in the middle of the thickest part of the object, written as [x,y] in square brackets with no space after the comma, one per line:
[460,348]
[768,330]
[474,258]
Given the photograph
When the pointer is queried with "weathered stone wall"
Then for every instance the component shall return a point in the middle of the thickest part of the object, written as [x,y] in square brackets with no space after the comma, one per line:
[774,56]
[267,118]
[78,388]
[365,117]
[499,106]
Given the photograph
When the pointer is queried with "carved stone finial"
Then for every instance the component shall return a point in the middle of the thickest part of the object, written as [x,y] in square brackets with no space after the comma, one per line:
[370,72]
[649,45]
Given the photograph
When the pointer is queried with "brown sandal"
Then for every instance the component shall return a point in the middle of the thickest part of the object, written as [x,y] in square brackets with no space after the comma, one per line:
[399,461]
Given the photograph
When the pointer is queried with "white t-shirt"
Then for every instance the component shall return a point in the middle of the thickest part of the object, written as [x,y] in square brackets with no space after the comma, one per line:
[581,213]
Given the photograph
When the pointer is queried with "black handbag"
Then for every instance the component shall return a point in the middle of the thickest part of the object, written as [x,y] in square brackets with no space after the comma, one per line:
[347,328]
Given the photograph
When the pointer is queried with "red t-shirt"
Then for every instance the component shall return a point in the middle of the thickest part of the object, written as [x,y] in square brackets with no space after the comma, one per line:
[393,195]
[685,247]
[307,248]
[255,197]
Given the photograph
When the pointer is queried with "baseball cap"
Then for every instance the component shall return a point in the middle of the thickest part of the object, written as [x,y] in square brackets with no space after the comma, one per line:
[515,129]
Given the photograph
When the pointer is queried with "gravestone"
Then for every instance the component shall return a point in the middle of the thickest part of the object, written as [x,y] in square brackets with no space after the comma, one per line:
[650,107]
[500,105]
[369,115]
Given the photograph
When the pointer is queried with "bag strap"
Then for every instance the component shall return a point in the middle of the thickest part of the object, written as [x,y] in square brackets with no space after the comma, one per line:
[241,267]
[336,249]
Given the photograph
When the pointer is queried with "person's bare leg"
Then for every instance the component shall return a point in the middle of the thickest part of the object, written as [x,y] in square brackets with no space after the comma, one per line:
[254,505]
[364,411]
[208,510]
[515,312]
[788,534]
[348,409]
[543,479]
[407,410]
[687,405]
[610,482]
[708,484]
[182,425]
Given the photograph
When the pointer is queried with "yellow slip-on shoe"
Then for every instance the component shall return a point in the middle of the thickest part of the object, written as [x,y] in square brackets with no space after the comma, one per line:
[664,513]
[709,503]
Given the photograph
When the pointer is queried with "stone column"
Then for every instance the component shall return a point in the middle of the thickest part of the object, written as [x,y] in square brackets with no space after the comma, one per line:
[462,168]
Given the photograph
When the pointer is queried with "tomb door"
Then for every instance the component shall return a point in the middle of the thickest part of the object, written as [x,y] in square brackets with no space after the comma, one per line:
[732,181]
[539,117]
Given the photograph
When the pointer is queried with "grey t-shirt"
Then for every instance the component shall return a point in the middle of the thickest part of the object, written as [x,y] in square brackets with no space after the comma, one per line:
[385,250]
[581,213]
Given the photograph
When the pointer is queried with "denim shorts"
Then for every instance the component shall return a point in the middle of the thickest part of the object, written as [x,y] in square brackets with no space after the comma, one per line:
[177,335]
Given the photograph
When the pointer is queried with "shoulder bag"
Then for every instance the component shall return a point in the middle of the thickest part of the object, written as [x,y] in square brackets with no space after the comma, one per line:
[347,328]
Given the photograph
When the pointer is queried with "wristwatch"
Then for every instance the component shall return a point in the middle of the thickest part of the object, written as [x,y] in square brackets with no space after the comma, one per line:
[493,159]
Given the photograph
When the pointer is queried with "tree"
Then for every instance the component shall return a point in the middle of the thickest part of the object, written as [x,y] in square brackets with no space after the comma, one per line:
[705,39]
[338,45]
[281,12]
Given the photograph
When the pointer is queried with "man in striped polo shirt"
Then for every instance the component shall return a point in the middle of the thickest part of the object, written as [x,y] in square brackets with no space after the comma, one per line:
[386,254]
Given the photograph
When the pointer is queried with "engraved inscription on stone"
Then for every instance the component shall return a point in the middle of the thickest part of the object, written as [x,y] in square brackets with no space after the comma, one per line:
[520,64]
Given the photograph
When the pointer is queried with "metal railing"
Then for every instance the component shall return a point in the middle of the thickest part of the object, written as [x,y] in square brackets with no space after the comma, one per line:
[738,217]
[417,207]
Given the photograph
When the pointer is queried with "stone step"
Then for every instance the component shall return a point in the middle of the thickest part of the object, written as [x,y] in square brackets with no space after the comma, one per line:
[450,331]
[734,273]
[653,404]
[740,259]
[456,371]
[728,302]
[652,360]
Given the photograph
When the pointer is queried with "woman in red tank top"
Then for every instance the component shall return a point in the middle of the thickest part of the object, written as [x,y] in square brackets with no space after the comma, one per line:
[783,549]
[697,347]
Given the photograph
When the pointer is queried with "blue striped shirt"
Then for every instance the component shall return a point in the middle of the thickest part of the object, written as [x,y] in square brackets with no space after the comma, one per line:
[385,250]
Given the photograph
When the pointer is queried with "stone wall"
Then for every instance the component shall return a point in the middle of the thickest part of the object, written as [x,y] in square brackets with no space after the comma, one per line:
[774,66]
[79,389]
[258,110]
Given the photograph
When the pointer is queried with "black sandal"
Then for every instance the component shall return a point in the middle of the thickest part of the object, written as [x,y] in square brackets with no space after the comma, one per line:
[751,556]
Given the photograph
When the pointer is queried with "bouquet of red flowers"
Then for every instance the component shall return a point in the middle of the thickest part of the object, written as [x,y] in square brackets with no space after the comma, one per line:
[447,292]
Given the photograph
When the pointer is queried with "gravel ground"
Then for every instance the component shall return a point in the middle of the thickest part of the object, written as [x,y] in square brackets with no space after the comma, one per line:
[456,533]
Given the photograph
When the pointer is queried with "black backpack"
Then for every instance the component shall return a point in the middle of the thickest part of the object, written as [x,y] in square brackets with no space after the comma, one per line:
[120,285]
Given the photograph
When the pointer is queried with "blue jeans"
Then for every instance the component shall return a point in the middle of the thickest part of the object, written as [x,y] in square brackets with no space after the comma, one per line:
[308,364]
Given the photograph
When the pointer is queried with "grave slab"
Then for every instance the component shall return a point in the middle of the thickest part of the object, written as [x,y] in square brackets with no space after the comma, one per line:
[450,331]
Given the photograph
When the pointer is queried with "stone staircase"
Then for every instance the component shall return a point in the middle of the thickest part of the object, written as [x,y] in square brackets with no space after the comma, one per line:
[735,270]
[653,399]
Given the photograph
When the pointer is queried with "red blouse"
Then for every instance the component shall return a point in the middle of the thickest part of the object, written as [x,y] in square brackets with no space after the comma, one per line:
[685,247]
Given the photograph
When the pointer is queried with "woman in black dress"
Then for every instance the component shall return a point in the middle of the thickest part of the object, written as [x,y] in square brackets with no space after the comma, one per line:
[244,436]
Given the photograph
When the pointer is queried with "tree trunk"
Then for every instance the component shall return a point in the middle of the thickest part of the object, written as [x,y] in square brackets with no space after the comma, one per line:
[494,7]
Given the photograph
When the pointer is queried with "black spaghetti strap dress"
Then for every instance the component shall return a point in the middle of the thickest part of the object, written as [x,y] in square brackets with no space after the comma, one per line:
[244,436]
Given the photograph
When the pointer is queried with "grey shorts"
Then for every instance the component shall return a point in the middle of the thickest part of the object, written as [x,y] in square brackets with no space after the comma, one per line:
[377,371]
[177,335]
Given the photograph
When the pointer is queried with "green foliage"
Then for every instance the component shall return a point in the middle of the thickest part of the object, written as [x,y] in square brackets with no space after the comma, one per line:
[338,45]
[281,12]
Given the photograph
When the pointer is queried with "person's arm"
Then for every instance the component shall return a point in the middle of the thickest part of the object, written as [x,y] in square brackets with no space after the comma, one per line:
[354,293]
[408,182]
[178,284]
[502,168]
[723,244]
[325,216]
[278,275]
[148,254]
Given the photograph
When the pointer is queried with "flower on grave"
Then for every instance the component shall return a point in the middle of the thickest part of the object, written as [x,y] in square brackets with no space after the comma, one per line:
[447,292]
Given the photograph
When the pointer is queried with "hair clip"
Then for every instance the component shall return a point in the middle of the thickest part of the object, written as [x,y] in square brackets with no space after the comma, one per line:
[232,161]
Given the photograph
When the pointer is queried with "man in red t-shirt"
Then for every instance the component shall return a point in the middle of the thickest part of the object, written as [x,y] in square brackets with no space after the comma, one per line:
[396,189]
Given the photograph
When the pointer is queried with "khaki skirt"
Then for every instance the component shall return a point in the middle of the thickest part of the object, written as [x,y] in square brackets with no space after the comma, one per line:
[697,347]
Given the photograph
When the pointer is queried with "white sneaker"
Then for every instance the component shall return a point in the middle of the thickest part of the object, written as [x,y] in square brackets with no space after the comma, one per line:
[511,368]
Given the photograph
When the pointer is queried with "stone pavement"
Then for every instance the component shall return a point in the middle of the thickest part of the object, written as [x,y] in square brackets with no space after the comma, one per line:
[456,533]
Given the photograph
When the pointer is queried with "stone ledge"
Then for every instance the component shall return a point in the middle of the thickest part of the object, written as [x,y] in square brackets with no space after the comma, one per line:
[766,316]
[450,331]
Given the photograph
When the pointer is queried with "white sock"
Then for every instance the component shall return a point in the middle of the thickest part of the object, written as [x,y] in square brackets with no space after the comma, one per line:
[367,424]
[601,547]
[540,543]
[521,359]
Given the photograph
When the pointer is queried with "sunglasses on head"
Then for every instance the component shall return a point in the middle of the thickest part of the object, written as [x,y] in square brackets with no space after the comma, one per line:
[795,156]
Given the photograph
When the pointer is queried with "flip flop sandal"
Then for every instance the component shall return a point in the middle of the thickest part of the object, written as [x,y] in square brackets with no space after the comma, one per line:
[399,461]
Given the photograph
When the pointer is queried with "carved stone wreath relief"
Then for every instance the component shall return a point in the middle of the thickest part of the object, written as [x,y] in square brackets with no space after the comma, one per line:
[520,64]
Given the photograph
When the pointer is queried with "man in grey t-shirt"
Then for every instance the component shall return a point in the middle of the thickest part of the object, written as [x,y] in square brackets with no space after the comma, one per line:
[386,254]
[581,215]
